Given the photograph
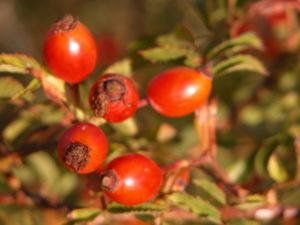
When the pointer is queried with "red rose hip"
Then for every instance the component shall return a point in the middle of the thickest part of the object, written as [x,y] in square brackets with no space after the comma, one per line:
[131,179]
[82,148]
[70,50]
[114,97]
[179,91]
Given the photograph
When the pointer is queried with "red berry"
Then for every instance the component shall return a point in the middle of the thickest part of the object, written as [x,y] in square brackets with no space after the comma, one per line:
[131,179]
[83,148]
[109,49]
[114,97]
[179,91]
[70,50]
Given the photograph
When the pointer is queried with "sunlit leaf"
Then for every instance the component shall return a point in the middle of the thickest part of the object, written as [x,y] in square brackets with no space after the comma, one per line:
[170,39]
[17,63]
[252,202]
[127,127]
[166,132]
[276,169]
[83,215]
[239,63]
[9,87]
[146,207]
[245,41]
[192,59]
[33,85]
[264,153]
[195,205]
[54,87]
[121,67]
[163,54]
[212,189]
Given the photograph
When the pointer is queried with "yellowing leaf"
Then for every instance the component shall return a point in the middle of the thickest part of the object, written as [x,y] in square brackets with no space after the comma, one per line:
[9,87]
[17,63]
[121,67]
[276,169]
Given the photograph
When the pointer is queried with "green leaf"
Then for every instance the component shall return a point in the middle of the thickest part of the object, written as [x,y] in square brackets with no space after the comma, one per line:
[123,67]
[173,46]
[239,63]
[245,41]
[9,87]
[212,189]
[54,87]
[17,63]
[264,153]
[145,217]
[127,127]
[83,215]
[15,128]
[242,222]
[252,202]
[192,59]
[174,40]
[276,169]
[24,64]
[195,205]
[146,207]
[44,166]
[163,54]
[33,85]
[65,185]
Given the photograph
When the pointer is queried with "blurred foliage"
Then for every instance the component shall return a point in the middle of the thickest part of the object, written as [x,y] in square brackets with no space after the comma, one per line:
[252,121]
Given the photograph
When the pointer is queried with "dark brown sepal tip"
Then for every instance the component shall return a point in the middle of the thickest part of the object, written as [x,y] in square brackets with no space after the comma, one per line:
[77,156]
[109,90]
[65,24]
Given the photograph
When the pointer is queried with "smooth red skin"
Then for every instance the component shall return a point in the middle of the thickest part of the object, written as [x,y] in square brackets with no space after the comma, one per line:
[145,175]
[89,135]
[67,64]
[169,92]
[118,111]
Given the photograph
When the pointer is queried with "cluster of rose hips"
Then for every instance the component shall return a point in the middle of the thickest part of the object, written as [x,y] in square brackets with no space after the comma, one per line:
[70,53]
